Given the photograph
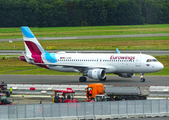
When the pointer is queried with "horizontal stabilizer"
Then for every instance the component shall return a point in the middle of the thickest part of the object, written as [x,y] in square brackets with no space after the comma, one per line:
[27,59]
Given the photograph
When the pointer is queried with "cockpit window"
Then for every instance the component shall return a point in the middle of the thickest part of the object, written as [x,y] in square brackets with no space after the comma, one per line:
[151,60]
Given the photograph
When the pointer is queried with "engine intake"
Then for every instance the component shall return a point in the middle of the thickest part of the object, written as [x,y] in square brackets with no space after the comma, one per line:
[96,74]
[126,75]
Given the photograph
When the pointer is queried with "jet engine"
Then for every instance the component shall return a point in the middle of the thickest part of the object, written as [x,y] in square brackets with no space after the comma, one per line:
[126,75]
[97,74]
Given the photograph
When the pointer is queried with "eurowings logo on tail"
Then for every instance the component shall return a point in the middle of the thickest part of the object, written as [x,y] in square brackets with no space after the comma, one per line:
[34,50]
[32,46]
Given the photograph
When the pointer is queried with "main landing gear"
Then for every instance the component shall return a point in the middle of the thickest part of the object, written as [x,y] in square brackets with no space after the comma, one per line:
[142,77]
[82,79]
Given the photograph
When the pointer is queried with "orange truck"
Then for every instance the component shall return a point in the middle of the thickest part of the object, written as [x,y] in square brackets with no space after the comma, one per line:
[95,92]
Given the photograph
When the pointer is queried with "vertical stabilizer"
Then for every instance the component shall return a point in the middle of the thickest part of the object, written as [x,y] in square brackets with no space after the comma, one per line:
[32,45]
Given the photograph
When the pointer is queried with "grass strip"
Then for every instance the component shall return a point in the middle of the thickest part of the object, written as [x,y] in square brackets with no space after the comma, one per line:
[136,43]
[86,31]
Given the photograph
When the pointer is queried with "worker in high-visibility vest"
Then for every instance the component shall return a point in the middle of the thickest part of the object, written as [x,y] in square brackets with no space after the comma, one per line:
[10,90]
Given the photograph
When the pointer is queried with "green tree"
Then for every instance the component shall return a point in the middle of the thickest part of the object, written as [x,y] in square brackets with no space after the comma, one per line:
[129,13]
[96,12]
[52,13]
[60,14]
[150,11]
[111,8]
[165,11]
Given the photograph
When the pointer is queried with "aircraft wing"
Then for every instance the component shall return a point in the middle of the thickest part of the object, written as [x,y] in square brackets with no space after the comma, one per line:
[70,65]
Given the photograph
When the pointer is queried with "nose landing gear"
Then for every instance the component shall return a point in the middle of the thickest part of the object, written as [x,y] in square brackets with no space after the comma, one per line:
[142,77]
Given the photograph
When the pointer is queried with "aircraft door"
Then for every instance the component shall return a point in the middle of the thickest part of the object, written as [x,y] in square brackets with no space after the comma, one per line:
[138,61]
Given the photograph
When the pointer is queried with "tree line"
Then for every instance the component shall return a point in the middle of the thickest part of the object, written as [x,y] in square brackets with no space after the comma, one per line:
[56,13]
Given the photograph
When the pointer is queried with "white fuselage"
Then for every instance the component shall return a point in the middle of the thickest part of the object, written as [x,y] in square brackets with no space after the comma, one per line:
[111,63]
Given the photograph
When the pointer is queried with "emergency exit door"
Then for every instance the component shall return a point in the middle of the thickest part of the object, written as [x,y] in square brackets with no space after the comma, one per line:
[138,61]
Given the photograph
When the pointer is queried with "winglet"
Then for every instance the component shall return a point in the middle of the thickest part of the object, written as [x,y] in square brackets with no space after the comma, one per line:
[118,52]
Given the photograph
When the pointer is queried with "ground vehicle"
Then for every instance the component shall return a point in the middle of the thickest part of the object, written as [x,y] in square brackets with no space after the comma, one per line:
[116,93]
[97,89]
[3,89]
[100,98]
[3,100]
[67,96]
[127,93]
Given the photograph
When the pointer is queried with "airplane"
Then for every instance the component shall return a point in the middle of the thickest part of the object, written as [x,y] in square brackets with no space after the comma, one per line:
[92,65]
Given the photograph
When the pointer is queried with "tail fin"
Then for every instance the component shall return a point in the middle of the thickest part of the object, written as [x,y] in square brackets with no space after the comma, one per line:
[32,45]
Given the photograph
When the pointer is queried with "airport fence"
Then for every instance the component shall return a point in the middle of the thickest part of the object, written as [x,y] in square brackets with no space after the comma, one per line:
[84,109]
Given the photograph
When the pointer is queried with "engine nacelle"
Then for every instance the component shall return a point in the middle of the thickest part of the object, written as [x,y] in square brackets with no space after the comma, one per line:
[126,75]
[96,74]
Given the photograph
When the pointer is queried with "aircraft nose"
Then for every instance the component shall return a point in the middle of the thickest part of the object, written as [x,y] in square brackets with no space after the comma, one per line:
[160,66]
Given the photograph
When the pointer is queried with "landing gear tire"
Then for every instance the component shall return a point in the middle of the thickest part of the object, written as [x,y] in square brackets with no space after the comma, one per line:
[103,79]
[142,79]
[82,79]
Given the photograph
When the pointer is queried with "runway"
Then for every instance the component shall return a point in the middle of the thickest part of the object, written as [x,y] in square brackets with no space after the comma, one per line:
[74,80]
